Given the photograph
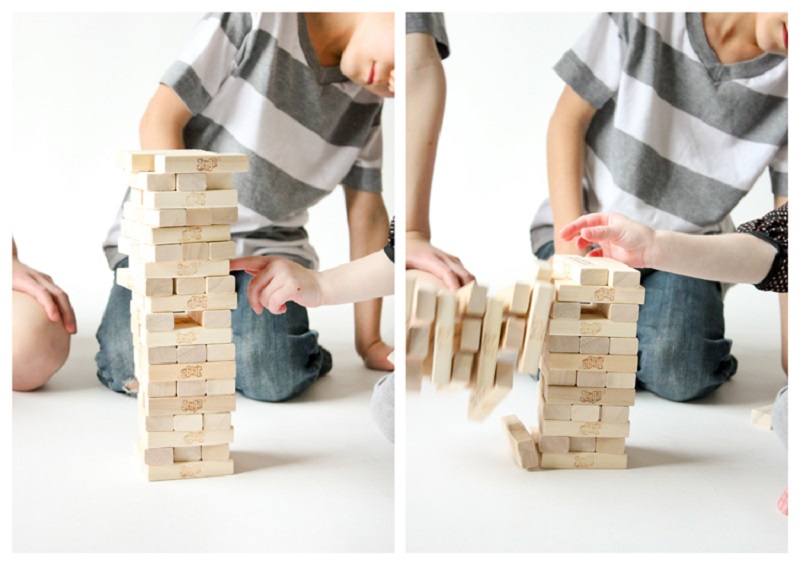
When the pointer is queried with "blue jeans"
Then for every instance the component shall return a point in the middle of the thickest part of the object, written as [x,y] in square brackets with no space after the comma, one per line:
[683,353]
[277,356]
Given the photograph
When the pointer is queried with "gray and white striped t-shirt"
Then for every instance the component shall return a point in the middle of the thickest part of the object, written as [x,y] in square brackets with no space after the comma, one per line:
[254,85]
[678,138]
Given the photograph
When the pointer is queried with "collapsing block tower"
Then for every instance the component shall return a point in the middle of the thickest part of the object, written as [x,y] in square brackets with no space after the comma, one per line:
[588,367]
[176,232]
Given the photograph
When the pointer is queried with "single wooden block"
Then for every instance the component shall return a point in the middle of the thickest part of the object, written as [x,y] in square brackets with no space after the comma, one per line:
[199,216]
[160,355]
[196,470]
[190,182]
[221,250]
[221,387]
[221,352]
[151,235]
[582,362]
[187,422]
[156,182]
[185,454]
[217,181]
[584,412]
[471,300]
[185,200]
[418,343]
[553,444]
[483,400]
[194,252]
[144,160]
[158,287]
[186,334]
[180,269]
[149,253]
[521,443]
[558,376]
[217,163]
[583,461]
[163,321]
[158,456]
[616,414]
[540,271]
[569,291]
[566,310]
[619,274]
[536,328]
[211,370]
[184,303]
[423,307]
[220,452]
[761,417]
[555,411]
[581,270]
[154,218]
[591,379]
[217,421]
[594,344]
[614,445]
[516,298]
[583,444]
[470,336]
[158,389]
[224,284]
[576,428]
[414,374]
[192,388]
[593,324]
[620,312]
[191,353]
[443,338]
[224,215]
[621,380]
[157,423]
[190,285]
[190,405]
[577,395]
[212,318]
[512,336]
[623,346]
[563,343]
[486,365]
[186,439]
[136,196]
[462,369]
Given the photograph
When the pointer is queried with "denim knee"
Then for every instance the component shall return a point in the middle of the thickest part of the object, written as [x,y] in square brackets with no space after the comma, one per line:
[115,357]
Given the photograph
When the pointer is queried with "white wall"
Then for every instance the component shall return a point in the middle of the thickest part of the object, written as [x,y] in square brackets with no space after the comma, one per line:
[80,85]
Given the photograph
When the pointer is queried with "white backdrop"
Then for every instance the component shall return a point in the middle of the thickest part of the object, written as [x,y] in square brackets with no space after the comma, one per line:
[491,170]
[80,85]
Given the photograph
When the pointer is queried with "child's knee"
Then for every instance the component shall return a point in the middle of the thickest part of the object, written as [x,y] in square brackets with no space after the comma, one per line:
[40,347]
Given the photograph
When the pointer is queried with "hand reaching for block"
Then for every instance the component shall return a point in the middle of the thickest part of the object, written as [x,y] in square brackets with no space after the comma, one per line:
[619,237]
[277,281]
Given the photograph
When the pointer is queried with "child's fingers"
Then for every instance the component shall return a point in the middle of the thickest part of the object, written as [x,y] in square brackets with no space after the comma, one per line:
[601,233]
[576,226]
[251,264]
[276,301]
[258,284]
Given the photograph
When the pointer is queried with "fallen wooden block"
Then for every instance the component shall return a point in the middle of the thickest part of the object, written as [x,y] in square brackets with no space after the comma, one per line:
[521,443]
[462,369]
[443,338]
[423,307]
[469,335]
[540,271]
[471,300]
[536,328]
[483,400]
[761,417]
[490,340]
[516,299]
[418,343]
[512,335]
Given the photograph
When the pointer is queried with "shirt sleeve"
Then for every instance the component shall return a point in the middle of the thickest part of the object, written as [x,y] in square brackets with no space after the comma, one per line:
[208,56]
[389,249]
[779,172]
[774,229]
[431,23]
[593,67]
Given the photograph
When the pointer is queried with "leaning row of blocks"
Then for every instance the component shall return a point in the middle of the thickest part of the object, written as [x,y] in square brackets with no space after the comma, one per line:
[588,369]
[176,233]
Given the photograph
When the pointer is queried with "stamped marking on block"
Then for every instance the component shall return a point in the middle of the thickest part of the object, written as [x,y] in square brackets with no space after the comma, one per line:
[187,269]
[207,165]
[192,371]
[590,429]
[591,396]
[194,437]
[185,337]
[584,461]
[592,362]
[192,406]
[190,471]
[196,199]
[197,302]
[590,328]
[604,294]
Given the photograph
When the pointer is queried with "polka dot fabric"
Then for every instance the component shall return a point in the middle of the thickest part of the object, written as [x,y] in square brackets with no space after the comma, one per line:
[773,228]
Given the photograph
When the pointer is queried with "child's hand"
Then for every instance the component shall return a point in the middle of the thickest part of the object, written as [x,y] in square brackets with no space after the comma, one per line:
[277,281]
[420,254]
[619,237]
[55,301]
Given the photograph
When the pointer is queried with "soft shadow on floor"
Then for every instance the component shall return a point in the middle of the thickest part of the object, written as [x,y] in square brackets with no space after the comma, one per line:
[643,457]
[248,461]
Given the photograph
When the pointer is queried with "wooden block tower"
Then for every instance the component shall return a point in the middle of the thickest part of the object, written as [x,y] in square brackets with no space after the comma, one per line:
[176,232]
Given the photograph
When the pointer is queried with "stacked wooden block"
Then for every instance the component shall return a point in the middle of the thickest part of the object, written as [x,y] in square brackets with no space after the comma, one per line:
[176,232]
[588,368]
[468,339]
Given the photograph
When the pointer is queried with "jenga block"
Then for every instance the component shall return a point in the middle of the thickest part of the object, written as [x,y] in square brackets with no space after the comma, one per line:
[563,343]
[614,445]
[555,411]
[180,269]
[186,439]
[220,452]
[224,215]
[217,163]
[619,312]
[154,218]
[414,373]
[149,253]
[569,291]
[196,470]
[147,287]
[144,160]
[575,428]
[469,340]
[184,303]
[761,417]
[591,379]
[199,216]
[623,346]
[582,412]
[619,274]
[490,340]
[158,456]
[483,400]
[443,338]
[521,443]
[462,369]
[217,421]
[419,342]
[186,334]
[195,252]
[471,300]
[409,298]
[621,380]
[190,405]
[221,387]
[212,318]
[187,422]
[558,376]
[152,181]
[221,250]
[540,271]
[164,389]
[163,321]
[135,196]
[225,284]
[617,414]
[555,394]
[221,352]
[593,324]
[184,454]
[191,353]
[581,362]
[566,310]
[423,307]
[150,235]
[536,328]
[190,285]
[190,182]
[217,181]
[157,423]
[594,344]
[583,461]
[516,299]
[583,444]
[581,270]
[160,355]
[553,444]
[211,370]
[511,339]
[192,388]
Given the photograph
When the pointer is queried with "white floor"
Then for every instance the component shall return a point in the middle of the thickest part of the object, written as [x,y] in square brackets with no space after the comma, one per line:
[701,477]
[312,475]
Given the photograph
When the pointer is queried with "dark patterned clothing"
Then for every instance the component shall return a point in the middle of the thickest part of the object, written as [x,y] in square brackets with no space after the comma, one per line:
[389,249]
[774,229]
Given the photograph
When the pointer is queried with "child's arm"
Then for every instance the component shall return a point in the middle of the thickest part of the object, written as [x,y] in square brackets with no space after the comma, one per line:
[161,126]
[733,257]
[426,90]
[277,281]
[566,135]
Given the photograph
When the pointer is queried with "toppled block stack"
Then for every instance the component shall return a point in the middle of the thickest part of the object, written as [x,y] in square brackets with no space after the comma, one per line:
[176,232]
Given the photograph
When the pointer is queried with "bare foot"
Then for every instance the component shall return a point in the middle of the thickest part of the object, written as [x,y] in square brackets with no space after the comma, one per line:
[783,502]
